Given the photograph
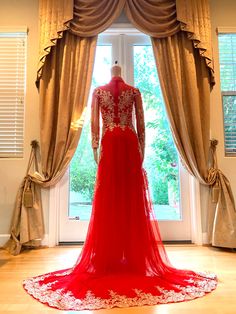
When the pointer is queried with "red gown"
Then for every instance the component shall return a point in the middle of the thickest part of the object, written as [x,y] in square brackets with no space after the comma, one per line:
[123,261]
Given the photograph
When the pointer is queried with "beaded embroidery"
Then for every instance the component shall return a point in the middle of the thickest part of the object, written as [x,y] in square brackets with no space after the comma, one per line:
[121,118]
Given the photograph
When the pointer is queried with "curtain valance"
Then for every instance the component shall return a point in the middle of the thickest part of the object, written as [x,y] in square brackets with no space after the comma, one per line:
[54,16]
[157,18]
[194,17]
[93,17]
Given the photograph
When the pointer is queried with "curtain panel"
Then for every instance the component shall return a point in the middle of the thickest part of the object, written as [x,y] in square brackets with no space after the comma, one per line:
[27,225]
[64,91]
[185,84]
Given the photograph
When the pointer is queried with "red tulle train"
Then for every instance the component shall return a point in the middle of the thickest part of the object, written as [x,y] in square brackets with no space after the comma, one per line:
[123,262]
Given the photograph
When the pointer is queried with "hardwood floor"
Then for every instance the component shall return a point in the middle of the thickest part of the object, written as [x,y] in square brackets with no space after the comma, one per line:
[13,269]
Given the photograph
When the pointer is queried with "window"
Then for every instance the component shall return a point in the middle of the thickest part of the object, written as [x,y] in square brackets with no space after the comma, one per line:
[227,56]
[12,92]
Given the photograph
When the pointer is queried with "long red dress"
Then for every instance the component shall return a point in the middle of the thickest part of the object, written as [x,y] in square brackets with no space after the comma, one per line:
[123,261]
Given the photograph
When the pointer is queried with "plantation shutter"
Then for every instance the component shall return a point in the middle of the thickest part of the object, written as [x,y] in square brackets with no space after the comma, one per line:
[12,92]
[227,56]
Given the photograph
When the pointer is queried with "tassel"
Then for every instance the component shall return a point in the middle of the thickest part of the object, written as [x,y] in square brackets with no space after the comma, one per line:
[28,200]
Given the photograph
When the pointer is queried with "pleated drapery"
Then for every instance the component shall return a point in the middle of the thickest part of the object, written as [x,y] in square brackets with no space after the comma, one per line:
[180,32]
[185,84]
[194,17]
[94,17]
[27,225]
[221,209]
[156,18]
[54,16]
[187,99]
[64,89]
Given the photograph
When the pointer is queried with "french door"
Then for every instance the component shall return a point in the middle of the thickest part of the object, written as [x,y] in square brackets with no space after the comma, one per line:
[168,180]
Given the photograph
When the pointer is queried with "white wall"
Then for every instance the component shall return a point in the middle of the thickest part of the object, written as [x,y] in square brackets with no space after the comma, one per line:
[12,171]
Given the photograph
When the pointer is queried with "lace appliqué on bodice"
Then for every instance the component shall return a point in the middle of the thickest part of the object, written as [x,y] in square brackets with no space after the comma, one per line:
[117,113]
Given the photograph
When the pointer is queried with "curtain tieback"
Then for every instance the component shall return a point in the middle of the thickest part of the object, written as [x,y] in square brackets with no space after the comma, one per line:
[28,197]
[28,193]
[213,180]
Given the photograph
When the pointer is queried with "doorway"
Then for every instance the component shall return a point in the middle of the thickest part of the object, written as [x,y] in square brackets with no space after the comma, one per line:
[169,182]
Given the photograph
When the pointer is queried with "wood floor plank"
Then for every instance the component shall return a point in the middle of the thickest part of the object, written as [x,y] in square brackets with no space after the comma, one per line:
[13,269]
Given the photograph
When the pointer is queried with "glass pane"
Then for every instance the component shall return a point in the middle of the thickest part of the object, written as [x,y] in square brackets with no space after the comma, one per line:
[229,108]
[227,58]
[82,167]
[161,158]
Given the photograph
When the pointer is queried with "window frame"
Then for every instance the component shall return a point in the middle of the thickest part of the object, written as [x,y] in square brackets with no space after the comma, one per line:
[225,31]
[19,33]
[78,228]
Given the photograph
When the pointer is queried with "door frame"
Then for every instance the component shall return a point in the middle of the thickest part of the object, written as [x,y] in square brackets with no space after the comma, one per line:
[192,198]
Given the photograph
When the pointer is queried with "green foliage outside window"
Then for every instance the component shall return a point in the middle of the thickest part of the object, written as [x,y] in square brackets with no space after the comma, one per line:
[83,168]
[161,162]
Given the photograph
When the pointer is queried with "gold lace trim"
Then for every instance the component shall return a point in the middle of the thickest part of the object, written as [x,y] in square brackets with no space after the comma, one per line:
[124,108]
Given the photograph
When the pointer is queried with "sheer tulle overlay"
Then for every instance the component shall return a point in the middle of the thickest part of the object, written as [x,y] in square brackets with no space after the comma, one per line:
[123,261]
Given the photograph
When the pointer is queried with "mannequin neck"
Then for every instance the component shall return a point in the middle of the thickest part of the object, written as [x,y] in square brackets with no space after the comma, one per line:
[115,71]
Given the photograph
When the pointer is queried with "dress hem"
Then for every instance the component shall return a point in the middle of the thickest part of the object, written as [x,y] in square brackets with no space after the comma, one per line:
[65,300]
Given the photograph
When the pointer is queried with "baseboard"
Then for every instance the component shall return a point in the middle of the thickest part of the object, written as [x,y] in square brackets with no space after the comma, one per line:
[3,239]
[178,242]
[205,238]
[45,241]
[165,242]
[62,243]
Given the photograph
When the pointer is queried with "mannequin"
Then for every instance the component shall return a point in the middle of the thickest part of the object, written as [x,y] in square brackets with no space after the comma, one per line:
[115,71]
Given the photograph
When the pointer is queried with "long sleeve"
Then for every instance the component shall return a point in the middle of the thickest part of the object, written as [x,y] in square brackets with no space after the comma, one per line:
[140,121]
[95,121]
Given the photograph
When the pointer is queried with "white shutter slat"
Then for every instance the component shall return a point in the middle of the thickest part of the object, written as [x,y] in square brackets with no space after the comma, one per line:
[227,58]
[12,93]
[229,124]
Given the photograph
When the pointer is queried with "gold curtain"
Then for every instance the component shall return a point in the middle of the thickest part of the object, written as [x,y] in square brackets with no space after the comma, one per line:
[93,17]
[179,29]
[194,18]
[64,89]
[27,224]
[221,209]
[155,18]
[185,83]
[54,18]
[185,86]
